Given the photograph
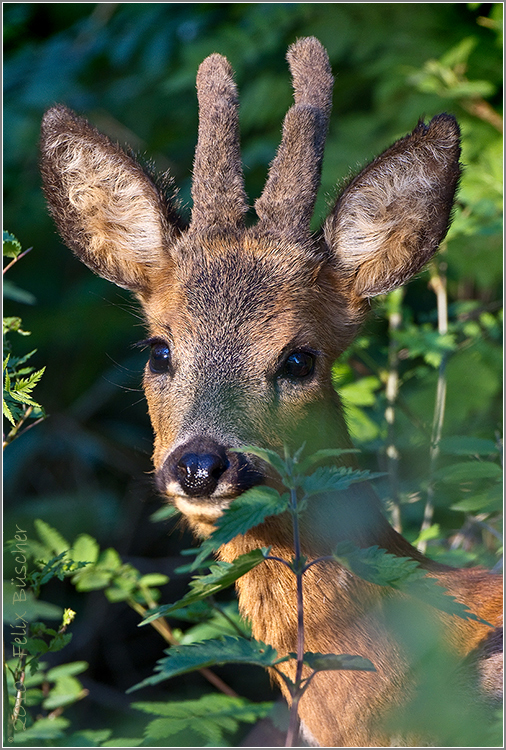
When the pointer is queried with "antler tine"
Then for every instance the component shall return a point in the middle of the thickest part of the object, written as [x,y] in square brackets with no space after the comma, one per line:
[218,193]
[287,202]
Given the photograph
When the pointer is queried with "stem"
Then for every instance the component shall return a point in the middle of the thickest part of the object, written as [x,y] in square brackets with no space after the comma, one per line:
[294,714]
[438,283]
[15,260]
[391,392]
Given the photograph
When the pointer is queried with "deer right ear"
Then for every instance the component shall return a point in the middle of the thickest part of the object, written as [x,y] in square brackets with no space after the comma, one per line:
[107,209]
[391,218]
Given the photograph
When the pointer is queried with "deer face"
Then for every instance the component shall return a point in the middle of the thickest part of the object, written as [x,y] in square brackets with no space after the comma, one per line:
[244,323]
[238,357]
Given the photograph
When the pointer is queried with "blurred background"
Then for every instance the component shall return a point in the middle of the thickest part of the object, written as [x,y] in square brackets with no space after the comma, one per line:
[130,68]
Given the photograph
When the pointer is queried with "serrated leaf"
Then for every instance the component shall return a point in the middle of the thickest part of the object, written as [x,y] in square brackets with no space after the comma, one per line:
[245,512]
[308,462]
[182,659]
[84,549]
[218,714]
[333,478]
[11,245]
[45,729]
[322,662]
[378,566]
[270,457]
[222,575]
[51,538]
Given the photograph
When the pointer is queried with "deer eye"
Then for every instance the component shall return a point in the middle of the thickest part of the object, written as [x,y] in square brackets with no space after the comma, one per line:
[159,360]
[298,365]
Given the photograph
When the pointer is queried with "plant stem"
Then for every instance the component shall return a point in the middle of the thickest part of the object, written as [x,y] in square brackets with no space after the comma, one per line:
[391,392]
[294,714]
[438,284]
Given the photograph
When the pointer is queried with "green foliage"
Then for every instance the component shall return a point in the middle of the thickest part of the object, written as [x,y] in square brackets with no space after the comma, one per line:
[222,575]
[378,566]
[247,510]
[226,650]
[19,380]
[205,722]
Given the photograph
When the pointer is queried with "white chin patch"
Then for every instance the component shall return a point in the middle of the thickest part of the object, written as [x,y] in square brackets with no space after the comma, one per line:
[202,509]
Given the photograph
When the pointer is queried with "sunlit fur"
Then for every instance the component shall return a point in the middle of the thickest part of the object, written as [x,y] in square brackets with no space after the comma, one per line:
[230,302]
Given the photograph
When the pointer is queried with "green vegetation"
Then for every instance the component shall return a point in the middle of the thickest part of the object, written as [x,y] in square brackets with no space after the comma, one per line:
[421,385]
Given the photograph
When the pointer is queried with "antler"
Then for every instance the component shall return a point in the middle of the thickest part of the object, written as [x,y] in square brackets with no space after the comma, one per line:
[218,193]
[287,202]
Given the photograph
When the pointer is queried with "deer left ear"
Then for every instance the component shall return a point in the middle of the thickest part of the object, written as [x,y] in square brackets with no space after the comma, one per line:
[392,217]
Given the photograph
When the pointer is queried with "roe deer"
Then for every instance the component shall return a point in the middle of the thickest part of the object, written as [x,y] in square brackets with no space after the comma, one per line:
[244,325]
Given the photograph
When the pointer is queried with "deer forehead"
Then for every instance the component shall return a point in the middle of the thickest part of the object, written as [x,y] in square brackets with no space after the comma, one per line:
[235,297]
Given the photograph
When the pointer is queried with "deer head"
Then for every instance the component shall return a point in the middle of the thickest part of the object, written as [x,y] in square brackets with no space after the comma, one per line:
[246,321]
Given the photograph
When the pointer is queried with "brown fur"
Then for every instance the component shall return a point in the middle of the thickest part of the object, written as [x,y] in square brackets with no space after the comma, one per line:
[227,306]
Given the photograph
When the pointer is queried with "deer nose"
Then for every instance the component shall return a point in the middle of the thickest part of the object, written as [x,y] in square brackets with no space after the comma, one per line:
[199,473]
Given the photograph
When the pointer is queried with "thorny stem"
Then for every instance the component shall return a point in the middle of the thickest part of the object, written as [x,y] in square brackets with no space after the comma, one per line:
[438,283]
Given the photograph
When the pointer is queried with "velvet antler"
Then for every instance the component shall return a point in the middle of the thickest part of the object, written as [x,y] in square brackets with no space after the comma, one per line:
[219,200]
[287,202]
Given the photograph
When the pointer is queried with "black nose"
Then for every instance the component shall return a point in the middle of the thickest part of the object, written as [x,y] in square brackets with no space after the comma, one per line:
[199,473]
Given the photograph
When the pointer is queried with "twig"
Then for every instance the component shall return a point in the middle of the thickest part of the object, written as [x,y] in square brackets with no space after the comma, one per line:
[15,260]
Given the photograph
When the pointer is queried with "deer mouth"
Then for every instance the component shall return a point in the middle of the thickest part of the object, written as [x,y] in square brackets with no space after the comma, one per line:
[202,477]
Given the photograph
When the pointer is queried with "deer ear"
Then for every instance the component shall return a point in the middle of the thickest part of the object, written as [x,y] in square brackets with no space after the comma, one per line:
[391,218]
[107,209]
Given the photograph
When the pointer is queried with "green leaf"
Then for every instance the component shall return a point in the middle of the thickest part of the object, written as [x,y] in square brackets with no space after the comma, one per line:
[122,742]
[16,294]
[216,714]
[166,511]
[270,457]
[63,670]
[11,245]
[51,538]
[182,659]
[462,445]
[323,662]
[66,691]
[222,575]
[378,566]
[321,455]
[84,549]
[489,502]
[332,478]
[153,579]
[245,512]
[465,472]
[44,729]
